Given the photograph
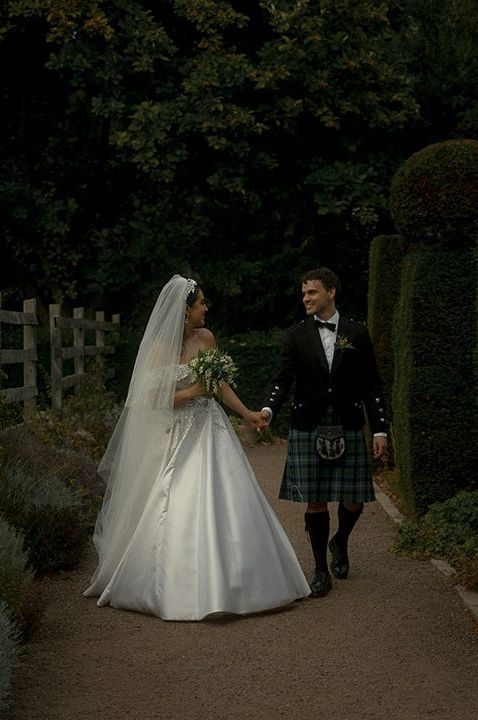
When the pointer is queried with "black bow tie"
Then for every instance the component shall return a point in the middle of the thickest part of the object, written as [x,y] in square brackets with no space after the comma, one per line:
[328,325]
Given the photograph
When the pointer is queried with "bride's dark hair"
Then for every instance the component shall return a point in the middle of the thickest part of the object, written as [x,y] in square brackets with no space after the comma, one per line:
[193,296]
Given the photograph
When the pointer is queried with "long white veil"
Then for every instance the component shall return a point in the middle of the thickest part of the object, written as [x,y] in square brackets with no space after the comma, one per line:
[136,452]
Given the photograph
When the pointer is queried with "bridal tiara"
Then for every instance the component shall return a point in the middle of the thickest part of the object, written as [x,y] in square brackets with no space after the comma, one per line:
[190,286]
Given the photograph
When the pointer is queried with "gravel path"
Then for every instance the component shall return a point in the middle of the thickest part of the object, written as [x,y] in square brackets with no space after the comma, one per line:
[393,642]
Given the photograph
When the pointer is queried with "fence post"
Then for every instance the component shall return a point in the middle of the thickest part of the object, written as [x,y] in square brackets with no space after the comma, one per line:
[100,338]
[30,366]
[55,357]
[79,342]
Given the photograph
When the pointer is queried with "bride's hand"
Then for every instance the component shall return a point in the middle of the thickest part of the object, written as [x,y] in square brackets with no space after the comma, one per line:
[255,419]
[198,390]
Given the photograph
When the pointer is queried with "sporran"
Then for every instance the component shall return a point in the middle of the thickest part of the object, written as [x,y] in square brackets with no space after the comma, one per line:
[330,442]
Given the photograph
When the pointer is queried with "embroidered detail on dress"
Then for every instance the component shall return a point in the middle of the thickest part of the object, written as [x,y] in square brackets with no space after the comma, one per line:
[182,371]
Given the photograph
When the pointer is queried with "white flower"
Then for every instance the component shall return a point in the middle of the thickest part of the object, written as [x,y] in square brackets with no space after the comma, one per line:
[212,367]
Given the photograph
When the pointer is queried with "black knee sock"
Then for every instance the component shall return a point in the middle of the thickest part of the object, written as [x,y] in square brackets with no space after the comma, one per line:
[347,520]
[317,525]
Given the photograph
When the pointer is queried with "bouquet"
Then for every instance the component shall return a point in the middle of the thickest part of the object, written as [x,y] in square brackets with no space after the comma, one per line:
[211,367]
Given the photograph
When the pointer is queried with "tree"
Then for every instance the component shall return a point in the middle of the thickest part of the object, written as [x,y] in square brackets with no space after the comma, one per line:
[242,140]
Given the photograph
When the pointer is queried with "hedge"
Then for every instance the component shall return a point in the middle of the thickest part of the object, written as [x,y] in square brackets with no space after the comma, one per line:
[385,265]
[434,194]
[434,341]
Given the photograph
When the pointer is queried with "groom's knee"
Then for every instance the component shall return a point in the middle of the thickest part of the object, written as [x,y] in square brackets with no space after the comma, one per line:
[317,507]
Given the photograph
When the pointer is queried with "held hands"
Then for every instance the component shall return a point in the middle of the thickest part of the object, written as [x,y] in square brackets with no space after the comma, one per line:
[379,446]
[265,418]
[256,419]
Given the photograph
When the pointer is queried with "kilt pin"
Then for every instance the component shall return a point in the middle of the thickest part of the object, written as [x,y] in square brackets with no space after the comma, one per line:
[341,394]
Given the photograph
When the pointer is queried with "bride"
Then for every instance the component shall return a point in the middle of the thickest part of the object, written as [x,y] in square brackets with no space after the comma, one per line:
[185,530]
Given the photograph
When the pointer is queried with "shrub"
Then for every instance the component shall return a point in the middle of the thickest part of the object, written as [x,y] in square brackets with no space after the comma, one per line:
[74,469]
[9,653]
[449,530]
[47,512]
[433,393]
[85,422]
[434,194]
[15,574]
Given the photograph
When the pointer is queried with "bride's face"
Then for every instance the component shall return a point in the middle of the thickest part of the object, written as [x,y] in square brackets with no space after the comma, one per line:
[197,311]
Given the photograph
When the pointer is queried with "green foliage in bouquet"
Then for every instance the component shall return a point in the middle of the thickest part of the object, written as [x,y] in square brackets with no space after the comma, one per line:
[449,530]
[9,654]
[434,195]
[47,512]
[212,367]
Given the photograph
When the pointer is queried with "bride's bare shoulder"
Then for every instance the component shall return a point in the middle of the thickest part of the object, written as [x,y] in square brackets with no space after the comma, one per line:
[206,337]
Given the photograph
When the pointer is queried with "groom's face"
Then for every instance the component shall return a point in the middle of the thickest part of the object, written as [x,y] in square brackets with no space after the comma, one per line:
[317,299]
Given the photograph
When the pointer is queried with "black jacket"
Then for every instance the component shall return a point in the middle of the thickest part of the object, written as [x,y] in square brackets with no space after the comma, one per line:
[352,384]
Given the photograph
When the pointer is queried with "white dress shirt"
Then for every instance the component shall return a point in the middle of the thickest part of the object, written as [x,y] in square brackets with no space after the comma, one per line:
[329,337]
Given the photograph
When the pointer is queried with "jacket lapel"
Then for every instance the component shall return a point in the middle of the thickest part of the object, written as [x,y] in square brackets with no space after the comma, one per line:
[338,354]
[315,344]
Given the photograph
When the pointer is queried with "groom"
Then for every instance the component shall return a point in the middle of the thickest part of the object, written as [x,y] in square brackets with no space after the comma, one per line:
[330,361]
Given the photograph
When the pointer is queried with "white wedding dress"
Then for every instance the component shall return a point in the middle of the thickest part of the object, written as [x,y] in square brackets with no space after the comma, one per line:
[207,540]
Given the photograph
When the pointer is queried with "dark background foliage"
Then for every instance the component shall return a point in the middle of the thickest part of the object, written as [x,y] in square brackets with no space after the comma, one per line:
[240,142]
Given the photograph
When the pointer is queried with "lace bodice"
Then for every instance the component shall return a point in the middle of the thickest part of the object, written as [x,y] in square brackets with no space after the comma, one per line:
[184,376]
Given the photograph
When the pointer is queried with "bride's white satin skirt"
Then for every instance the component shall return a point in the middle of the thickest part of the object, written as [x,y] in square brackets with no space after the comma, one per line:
[208,541]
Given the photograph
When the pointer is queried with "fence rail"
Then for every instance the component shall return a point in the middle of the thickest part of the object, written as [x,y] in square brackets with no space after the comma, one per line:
[79,351]
[60,325]
[28,356]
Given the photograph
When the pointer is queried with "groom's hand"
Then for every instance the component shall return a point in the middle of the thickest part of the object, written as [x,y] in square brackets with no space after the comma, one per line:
[254,418]
[264,420]
[379,446]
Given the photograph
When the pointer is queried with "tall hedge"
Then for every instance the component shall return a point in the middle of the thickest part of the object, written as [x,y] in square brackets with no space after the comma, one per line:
[385,265]
[434,194]
[434,339]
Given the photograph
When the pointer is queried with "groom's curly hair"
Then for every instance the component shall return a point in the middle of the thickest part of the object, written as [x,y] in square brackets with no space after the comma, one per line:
[326,276]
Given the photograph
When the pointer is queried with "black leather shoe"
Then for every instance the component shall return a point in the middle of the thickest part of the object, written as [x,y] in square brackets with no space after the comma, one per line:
[340,561]
[321,584]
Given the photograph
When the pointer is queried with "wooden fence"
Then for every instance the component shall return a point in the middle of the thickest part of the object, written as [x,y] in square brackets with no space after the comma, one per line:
[28,356]
[78,351]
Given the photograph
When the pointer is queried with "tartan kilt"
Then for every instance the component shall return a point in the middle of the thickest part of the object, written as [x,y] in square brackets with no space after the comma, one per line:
[308,478]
